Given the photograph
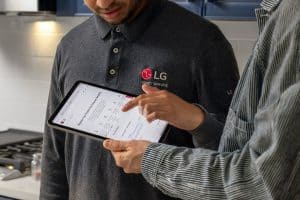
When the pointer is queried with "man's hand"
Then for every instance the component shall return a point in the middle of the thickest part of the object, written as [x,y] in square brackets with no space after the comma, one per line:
[163,105]
[127,154]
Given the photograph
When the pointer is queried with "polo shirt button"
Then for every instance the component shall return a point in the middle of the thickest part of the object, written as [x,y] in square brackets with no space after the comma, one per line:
[118,29]
[112,72]
[116,50]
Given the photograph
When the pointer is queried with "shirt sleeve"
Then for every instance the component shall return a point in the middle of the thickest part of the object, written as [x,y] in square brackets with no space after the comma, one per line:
[267,167]
[54,183]
[216,81]
[207,134]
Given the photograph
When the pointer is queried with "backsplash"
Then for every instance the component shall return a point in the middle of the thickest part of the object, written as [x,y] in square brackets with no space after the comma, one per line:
[27,48]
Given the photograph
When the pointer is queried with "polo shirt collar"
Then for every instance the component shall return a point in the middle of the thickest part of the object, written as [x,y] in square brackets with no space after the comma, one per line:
[270,5]
[102,27]
[133,29]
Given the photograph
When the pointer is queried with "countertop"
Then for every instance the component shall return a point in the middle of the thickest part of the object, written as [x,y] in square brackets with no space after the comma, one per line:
[25,188]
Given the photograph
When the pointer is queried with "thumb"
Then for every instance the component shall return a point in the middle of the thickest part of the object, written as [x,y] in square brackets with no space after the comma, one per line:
[114,145]
[149,89]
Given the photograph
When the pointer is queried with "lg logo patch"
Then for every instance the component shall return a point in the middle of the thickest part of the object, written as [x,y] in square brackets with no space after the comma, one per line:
[147,74]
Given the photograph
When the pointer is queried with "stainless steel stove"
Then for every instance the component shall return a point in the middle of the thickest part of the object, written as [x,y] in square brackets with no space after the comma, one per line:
[16,152]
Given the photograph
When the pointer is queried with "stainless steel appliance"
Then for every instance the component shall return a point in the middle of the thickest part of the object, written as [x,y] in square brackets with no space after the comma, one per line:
[16,150]
[27,6]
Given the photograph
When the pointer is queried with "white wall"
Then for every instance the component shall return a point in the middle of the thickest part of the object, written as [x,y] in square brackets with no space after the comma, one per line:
[27,47]
[242,36]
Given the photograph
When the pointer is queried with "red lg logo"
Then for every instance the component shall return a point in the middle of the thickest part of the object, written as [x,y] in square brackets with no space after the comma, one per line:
[147,74]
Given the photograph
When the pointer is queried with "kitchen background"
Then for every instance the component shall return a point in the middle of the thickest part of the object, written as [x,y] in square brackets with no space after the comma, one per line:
[27,48]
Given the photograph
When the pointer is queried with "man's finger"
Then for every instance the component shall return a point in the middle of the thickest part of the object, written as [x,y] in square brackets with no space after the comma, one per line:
[115,145]
[129,105]
[153,116]
[141,99]
[149,89]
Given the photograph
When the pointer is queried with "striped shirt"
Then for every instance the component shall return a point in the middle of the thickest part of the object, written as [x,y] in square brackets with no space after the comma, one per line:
[258,155]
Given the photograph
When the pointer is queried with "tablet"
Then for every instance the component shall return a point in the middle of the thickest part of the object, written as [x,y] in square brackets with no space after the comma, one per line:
[94,111]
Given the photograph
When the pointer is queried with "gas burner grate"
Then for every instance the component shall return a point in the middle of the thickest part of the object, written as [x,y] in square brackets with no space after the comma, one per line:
[16,150]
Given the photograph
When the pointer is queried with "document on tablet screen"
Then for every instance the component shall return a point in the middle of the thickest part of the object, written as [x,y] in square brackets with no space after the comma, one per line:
[97,111]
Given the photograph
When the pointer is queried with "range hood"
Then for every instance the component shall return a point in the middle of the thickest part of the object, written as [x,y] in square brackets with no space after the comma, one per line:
[30,6]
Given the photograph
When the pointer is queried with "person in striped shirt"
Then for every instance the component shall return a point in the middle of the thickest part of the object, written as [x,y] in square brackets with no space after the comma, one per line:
[259,152]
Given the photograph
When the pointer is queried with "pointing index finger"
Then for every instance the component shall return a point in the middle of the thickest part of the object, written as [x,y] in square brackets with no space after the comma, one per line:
[130,104]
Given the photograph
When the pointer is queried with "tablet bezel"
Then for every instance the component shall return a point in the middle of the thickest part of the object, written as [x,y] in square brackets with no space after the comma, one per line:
[67,129]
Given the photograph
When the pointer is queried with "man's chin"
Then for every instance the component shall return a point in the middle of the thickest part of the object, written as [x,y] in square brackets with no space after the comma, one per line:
[113,21]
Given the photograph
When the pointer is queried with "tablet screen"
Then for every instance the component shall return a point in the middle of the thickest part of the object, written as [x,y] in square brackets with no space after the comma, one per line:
[96,111]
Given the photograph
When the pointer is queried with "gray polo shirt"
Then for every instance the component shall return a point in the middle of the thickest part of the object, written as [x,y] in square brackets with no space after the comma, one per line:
[165,46]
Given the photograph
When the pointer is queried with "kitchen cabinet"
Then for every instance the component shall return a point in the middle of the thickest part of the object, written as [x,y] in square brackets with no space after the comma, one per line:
[82,9]
[230,9]
[65,8]
[194,6]
[69,8]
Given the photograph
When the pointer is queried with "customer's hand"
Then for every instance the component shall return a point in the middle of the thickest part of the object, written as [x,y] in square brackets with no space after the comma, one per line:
[163,105]
[127,154]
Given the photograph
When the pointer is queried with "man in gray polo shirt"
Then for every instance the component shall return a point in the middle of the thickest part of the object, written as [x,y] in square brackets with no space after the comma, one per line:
[259,152]
[125,44]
